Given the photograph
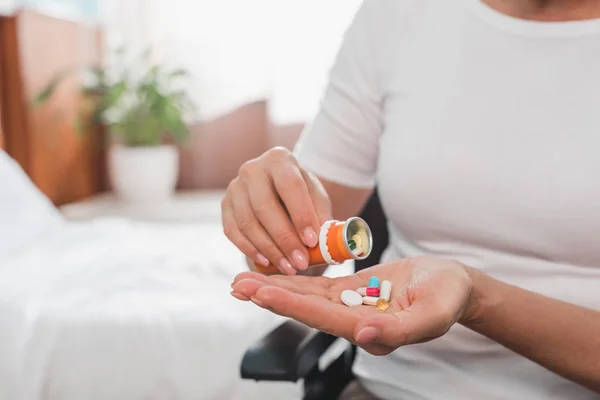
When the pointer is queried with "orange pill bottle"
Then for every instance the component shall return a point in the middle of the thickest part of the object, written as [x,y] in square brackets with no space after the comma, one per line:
[339,241]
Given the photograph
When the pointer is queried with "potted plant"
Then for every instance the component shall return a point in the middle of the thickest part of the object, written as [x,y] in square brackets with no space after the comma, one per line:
[145,117]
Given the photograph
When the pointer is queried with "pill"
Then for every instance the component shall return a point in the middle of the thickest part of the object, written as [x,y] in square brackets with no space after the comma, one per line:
[351,298]
[357,251]
[362,291]
[386,290]
[381,304]
[373,292]
[374,281]
[357,240]
[369,300]
[352,245]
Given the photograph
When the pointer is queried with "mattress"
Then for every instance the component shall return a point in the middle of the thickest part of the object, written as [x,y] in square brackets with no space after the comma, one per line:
[115,309]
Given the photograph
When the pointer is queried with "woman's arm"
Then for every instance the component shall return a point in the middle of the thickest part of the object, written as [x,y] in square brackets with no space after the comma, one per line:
[429,295]
[341,144]
[561,337]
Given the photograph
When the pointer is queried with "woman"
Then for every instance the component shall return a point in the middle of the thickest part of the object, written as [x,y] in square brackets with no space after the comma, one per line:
[480,122]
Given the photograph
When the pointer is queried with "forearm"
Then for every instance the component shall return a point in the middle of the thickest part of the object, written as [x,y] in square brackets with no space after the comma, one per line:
[561,337]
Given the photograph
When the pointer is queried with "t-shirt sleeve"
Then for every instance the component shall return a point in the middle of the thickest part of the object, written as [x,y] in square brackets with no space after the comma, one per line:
[342,142]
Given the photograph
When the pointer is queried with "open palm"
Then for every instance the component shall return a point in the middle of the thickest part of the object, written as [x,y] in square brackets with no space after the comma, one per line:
[428,297]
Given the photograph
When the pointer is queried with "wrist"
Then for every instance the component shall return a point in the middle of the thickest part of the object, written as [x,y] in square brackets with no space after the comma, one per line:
[483,298]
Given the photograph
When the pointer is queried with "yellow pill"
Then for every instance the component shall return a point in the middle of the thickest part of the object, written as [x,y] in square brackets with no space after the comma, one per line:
[382,305]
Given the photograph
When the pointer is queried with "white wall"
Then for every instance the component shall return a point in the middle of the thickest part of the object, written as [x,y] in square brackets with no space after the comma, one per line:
[239,51]
[7,7]
[78,10]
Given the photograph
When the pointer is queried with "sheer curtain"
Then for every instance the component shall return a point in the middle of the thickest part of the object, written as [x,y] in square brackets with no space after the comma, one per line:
[238,51]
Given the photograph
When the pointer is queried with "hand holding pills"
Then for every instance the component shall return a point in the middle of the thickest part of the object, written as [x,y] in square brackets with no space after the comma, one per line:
[415,300]
[369,295]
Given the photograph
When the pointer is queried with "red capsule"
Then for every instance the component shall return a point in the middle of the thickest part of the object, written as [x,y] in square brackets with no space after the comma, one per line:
[373,292]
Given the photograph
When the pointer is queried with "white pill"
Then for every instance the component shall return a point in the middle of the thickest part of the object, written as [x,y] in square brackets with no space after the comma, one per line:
[362,291]
[357,251]
[351,298]
[386,290]
[370,300]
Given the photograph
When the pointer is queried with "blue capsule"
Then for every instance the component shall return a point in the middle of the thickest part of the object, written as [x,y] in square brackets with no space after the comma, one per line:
[374,282]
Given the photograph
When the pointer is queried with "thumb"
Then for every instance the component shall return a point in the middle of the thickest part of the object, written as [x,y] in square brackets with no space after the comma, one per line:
[421,322]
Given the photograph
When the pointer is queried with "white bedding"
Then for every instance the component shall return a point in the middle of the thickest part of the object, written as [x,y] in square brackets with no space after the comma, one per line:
[122,310]
[119,310]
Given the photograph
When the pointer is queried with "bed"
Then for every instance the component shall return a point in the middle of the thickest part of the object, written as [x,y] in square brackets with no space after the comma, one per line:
[116,309]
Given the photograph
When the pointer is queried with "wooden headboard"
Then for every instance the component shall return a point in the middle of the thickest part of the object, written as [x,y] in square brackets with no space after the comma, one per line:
[65,165]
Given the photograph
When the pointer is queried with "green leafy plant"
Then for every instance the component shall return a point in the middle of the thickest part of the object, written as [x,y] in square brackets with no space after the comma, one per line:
[142,111]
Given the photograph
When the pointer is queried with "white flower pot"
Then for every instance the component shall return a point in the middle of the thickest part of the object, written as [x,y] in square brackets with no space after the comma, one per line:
[143,174]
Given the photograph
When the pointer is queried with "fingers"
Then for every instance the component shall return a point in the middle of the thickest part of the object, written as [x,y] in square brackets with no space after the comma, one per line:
[306,285]
[269,213]
[246,288]
[315,311]
[249,275]
[416,324]
[310,304]
[248,283]
[322,282]
[240,296]
[293,191]
[252,229]
[412,318]
[273,210]
[235,235]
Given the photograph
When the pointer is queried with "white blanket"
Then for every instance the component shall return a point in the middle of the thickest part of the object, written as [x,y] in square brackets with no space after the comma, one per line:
[126,311]
[120,310]
[117,310]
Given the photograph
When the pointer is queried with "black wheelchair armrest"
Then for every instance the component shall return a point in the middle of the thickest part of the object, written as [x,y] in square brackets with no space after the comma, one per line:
[287,354]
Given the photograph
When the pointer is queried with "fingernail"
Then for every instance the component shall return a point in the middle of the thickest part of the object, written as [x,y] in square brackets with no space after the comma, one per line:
[257,302]
[286,266]
[239,296]
[367,334]
[310,237]
[262,260]
[300,260]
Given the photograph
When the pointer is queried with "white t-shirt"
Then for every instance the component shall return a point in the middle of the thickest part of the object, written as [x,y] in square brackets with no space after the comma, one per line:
[482,132]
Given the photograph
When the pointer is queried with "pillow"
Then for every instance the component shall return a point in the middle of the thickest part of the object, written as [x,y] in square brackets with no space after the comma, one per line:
[25,213]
